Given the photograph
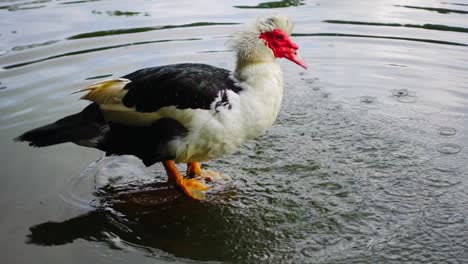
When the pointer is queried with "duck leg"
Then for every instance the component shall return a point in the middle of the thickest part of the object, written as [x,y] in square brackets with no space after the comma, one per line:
[191,187]
[194,170]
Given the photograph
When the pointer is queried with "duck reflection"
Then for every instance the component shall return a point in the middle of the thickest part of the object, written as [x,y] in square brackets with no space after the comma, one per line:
[157,216]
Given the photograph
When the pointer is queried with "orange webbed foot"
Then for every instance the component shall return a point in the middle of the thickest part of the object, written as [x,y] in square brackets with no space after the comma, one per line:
[191,187]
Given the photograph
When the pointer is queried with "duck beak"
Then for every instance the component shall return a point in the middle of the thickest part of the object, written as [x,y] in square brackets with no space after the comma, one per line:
[294,57]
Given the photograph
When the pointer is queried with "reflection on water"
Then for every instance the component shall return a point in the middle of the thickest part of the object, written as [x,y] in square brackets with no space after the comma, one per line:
[92,50]
[365,164]
[275,4]
[377,37]
[438,10]
[25,5]
[119,13]
[143,29]
[425,26]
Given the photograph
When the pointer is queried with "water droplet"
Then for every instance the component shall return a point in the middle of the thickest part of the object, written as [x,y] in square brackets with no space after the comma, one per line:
[448,148]
[447,131]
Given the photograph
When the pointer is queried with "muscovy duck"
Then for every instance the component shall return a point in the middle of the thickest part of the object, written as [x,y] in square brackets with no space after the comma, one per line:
[184,113]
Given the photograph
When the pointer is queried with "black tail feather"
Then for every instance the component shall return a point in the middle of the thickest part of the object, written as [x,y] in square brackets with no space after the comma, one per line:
[81,126]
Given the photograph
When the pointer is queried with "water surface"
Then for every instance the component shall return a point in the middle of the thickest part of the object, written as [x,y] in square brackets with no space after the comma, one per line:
[365,164]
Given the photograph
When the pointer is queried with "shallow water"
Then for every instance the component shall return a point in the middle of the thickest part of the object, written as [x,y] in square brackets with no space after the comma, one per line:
[366,163]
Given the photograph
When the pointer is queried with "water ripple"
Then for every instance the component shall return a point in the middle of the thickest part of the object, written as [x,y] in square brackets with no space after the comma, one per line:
[274,4]
[447,131]
[438,10]
[378,37]
[425,26]
[448,148]
[11,66]
[142,29]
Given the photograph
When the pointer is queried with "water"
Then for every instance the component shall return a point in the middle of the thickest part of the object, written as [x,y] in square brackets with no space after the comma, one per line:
[365,164]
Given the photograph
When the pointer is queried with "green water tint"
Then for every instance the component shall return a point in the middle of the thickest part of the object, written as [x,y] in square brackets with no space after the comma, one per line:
[425,26]
[366,162]
[78,2]
[25,5]
[94,50]
[99,77]
[438,10]
[275,4]
[377,37]
[120,13]
[142,29]
[32,46]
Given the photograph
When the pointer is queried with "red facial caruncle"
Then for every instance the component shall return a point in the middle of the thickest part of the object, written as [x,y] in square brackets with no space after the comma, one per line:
[282,46]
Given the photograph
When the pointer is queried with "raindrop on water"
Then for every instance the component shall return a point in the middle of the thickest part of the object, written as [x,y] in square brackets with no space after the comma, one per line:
[367,99]
[400,92]
[404,96]
[447,131]
[448,148]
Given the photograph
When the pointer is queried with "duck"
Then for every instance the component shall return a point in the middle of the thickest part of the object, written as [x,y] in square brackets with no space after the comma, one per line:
[186,112]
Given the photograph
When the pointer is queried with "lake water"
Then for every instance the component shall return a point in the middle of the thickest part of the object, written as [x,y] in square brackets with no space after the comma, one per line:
[367,162]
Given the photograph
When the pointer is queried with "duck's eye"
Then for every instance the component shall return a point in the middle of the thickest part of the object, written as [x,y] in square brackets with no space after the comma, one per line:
[279,37]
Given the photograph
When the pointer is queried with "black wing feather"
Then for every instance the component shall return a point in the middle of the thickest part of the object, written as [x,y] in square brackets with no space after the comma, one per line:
[187,85]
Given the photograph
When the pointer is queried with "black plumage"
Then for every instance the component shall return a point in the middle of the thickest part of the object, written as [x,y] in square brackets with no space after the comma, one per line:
[88,128]
[149,143]
[187,85]
[81,126]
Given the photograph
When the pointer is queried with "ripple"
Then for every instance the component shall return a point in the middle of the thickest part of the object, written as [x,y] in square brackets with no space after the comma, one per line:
[438,10]
[77,2]
[400,92]
[31,46]
[403,189]
[99,77]
[441,176]
[427,108]
[112,32]
[274,4]
[3,52]
[327,239]
[425,26]
[447,131]
[369,101]
[74,53]
[25,5]
[377,37]
[120,13]
[311,250]
[444,214]
[448,148]
[407,99]
[404,96]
